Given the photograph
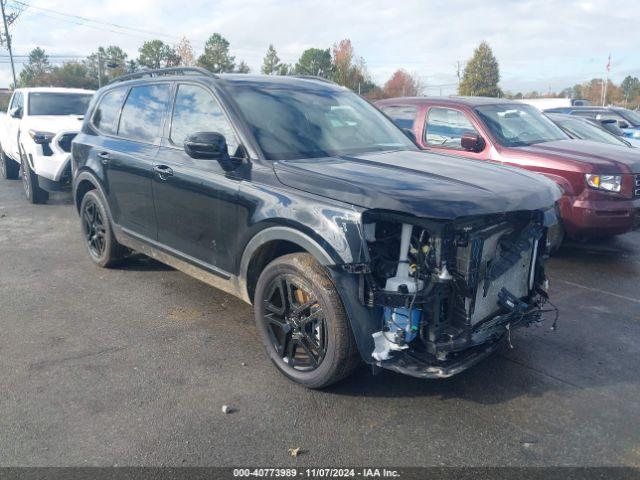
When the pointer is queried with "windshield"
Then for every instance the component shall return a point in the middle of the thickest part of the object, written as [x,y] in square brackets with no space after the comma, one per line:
[630,116]
[584,130]
[309,121]
[516,125]
[47,103]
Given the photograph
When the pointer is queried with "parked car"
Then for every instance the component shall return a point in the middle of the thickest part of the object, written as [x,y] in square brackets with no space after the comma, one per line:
[546,103]
[299,197]
[35,138]
[587,129]
[627,120]
[612,127]
[601,183]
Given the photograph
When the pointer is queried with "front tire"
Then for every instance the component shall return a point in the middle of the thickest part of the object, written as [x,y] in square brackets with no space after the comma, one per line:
[32,190]
[302,322]
[99,240]
[9,170]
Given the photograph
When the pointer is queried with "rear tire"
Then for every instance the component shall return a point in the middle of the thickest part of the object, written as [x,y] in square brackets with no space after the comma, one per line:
[32,190]
[99,240]
[302,322]
[9,170]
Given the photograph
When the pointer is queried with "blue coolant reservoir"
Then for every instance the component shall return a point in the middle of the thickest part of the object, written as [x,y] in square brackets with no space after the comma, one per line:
[399,320]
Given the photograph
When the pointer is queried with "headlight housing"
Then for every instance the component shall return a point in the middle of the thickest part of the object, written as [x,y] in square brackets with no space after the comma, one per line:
[609,183]
[41,137]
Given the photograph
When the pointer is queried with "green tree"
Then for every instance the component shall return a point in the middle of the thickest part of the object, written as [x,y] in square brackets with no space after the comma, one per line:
[315,61]
[109,63]
[36,71]
[271,64]
[72,75]
[157,54]
[242,67]
[216,57]
[630,88]
[481,74]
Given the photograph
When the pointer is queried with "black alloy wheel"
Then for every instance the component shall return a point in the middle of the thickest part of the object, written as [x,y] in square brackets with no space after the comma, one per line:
[93,226]
[296,323]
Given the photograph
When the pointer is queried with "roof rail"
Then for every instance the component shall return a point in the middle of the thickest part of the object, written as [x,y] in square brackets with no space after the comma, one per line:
[164,71]
[314,77]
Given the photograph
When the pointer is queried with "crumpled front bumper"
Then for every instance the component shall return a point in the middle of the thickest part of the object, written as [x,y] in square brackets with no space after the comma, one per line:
[485,338]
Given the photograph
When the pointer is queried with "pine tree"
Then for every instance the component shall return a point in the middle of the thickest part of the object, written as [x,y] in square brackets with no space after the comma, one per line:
[216,56]
[271,64]
[481,75]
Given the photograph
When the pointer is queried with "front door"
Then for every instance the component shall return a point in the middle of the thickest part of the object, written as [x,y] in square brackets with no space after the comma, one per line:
[13,126]
[196,200]
[443,133]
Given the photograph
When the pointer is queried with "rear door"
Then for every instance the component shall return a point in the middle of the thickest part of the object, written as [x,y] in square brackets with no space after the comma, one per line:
[195,199]
[127,149]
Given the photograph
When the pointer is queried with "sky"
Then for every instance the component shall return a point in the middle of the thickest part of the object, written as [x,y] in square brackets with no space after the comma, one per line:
[540,45]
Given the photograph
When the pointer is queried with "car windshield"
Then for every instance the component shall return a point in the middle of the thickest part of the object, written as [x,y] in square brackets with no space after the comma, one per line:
[630,116]
[310,121]
[47,103]
[515,125]
[584,130]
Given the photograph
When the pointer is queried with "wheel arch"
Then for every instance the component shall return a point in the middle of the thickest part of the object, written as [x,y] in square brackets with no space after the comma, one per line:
[271,243]
[83,183]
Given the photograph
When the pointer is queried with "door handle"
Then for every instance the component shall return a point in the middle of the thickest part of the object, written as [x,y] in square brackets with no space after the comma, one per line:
[105,157]
[163,171]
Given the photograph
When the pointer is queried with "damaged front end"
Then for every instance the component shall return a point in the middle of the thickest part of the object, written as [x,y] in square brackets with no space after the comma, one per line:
[444,293]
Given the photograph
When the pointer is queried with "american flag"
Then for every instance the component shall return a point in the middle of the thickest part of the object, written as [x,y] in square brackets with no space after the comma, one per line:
[609,64]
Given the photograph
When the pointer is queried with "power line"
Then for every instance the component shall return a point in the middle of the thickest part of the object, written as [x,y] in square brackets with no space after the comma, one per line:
[91,20]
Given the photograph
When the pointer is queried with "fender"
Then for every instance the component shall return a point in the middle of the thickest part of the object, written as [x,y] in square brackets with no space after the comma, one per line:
[89,176]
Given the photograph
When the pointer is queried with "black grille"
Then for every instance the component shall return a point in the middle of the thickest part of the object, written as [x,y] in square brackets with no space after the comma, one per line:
[65,141]
[636,186]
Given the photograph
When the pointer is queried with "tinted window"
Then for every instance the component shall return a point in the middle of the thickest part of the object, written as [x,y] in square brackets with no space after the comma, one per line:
[516,125]
[578,128]
[197,111]
[610,116]
[445,128]
[45,103]
[143,112]
[403,116]
[105,117]
[307,120]
[632,118]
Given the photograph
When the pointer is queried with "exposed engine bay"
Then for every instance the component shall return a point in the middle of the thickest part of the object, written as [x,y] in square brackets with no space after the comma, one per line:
[448,292]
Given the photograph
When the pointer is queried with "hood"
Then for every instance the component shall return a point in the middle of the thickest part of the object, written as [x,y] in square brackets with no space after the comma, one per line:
[420,184]
[53,123]
[586,156]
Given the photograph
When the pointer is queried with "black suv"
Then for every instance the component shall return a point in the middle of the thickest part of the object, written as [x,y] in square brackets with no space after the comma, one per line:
[299,197]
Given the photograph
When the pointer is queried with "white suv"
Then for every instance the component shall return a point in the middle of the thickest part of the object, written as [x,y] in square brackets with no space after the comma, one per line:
[36,135]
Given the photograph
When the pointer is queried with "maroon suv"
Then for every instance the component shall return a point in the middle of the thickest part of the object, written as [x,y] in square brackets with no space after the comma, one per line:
[601,182]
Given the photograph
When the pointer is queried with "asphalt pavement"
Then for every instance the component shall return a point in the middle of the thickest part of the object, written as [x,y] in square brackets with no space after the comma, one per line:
[131,366]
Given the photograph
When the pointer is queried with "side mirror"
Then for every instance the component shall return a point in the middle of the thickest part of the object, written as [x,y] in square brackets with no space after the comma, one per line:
[409,133]
[211,146]
[16,112]
[206,146]
[472,142]
[623,124]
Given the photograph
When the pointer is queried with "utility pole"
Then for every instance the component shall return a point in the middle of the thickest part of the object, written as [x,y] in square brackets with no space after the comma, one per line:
[8,39]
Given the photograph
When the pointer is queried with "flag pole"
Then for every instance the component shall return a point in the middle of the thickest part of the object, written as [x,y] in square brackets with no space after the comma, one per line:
[606,82]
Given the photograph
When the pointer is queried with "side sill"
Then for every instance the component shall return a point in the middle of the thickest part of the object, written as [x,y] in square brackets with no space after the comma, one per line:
[194,268]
